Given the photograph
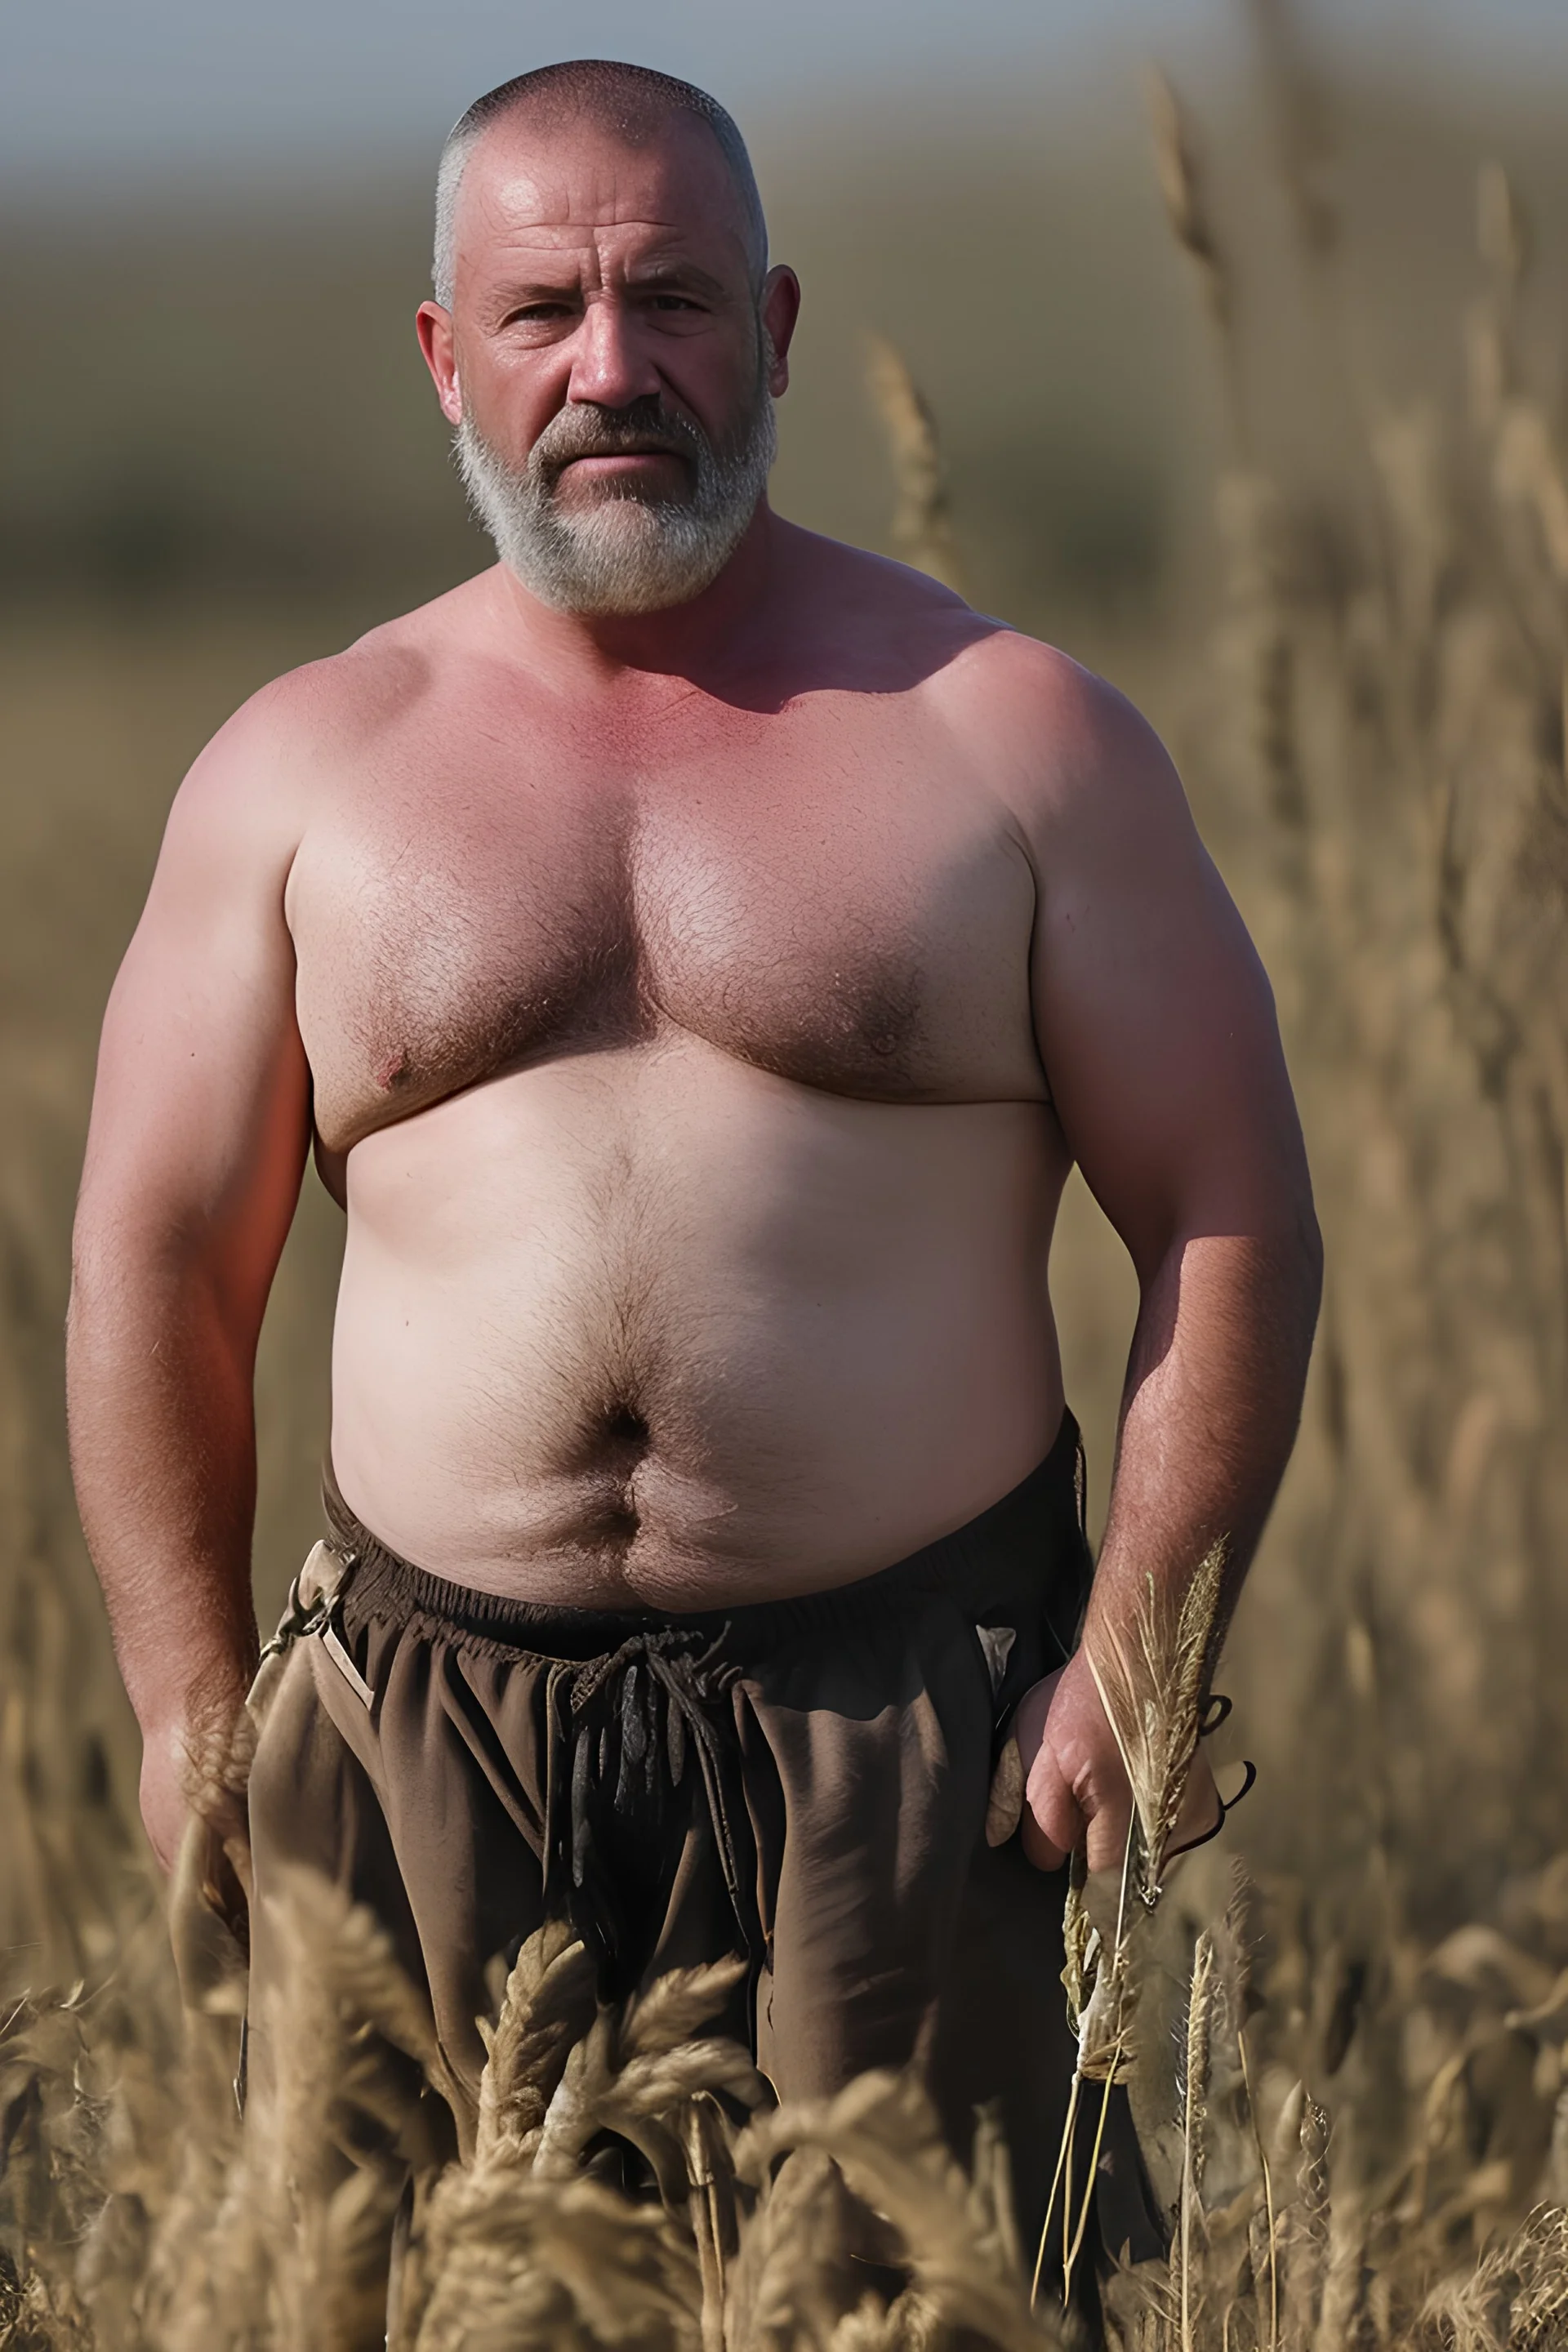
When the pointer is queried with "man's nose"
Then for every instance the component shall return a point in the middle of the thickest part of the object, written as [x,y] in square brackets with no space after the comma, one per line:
[610,366]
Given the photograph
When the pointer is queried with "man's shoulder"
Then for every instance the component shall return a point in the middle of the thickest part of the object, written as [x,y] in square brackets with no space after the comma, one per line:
[258,780]
[1021,683]
[343,698]
[862,621]
[1055,736]
[1002,686]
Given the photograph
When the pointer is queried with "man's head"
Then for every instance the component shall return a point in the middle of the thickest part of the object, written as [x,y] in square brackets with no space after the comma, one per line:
[607,338]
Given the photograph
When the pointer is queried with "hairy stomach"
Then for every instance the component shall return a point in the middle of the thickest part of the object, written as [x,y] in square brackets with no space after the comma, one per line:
[656,1326]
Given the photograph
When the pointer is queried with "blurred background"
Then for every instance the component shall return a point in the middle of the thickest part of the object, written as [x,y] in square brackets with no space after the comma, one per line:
[1247,386]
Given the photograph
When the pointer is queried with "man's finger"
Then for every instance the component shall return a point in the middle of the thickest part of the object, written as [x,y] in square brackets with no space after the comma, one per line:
[1042,1851]
[1107,1840]
[1053,1821]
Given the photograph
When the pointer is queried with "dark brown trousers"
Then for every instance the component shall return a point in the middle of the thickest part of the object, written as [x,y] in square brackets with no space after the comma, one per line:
[803,1781]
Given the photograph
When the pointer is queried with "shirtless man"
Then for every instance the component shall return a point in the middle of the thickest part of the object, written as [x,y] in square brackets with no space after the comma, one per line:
[697,951]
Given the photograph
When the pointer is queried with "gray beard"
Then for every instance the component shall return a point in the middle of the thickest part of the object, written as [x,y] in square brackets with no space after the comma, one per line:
[623,553]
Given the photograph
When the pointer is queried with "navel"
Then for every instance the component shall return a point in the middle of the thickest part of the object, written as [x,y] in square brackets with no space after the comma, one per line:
[626,1430]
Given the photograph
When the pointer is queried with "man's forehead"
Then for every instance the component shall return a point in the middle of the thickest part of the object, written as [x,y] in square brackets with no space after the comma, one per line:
[550,187]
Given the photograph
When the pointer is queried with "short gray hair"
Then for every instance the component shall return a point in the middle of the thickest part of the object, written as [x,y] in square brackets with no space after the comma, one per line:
[632,100]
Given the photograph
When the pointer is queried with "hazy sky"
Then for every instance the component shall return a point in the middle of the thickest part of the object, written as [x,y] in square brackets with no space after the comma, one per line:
[104,94]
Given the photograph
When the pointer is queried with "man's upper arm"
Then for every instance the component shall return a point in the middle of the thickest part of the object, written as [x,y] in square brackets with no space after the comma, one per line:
[201,1110]
[1154,1019]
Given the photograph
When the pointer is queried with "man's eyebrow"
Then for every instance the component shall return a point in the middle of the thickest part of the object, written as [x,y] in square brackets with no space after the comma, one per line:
[685,274]
[545,277]
[540,278]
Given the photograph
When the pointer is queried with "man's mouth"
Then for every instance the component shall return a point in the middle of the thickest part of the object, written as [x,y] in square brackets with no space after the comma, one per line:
[633,464]
[631,453]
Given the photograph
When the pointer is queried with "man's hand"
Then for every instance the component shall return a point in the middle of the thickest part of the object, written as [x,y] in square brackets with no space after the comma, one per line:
[1075,1784]
[165,1800]
[192,1769]
[197,1823]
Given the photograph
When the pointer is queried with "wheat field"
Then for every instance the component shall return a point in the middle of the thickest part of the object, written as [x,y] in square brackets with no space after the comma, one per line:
[1345,2029]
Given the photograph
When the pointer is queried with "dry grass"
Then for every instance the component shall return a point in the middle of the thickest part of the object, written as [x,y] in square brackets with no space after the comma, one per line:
[140,2212]
[922,522]
[1390,722]
[1356,2112]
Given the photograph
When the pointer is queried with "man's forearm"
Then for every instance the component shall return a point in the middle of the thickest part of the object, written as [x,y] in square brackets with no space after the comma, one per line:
[164,1454]
[1213,1393]
[1212,1404]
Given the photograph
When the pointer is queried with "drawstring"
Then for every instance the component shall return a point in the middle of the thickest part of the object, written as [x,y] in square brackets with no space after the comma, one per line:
[631,1724]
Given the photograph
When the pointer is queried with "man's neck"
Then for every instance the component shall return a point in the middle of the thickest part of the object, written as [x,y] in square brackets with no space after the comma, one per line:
[705,638]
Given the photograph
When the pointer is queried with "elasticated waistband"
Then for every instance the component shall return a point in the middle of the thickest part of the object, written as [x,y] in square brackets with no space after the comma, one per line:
[1026,1523]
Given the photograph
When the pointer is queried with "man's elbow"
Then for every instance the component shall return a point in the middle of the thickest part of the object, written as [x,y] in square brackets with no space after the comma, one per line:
[95,1265]
[1279,1265]
[131,1260]
[1287,1257]
[1308,1238]
[1315,1245]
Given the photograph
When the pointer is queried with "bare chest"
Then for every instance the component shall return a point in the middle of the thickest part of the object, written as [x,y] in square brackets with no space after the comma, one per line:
[835,908]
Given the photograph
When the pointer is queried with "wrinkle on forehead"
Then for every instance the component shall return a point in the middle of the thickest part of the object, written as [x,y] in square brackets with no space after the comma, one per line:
[564,201]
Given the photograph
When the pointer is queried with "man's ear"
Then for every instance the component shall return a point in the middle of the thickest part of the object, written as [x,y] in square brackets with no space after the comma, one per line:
[438,344]
[780,309]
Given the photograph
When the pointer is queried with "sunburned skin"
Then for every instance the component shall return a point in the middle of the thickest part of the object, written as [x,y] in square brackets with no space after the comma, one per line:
[697,1010]
[681,1086]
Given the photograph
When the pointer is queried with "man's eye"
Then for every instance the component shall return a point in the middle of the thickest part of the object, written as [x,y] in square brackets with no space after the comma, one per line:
[675,302]
[535,311]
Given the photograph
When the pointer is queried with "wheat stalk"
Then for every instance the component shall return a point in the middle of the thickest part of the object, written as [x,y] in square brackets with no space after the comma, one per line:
[1184,194]
[547,2006]
[1310,2219]
[1151,1680]
[923,525]
[1152,1676]
[1194,2094]
[1233,1955]
[884,2135]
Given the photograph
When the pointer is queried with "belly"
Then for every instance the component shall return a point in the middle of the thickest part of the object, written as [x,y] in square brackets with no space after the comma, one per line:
[654,1326]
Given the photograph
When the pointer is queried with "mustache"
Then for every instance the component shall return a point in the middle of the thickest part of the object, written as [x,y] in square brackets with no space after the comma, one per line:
[643,426]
